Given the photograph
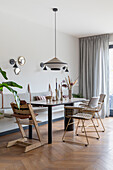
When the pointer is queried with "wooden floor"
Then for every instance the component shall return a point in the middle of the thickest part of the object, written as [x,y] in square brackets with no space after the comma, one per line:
[59,156]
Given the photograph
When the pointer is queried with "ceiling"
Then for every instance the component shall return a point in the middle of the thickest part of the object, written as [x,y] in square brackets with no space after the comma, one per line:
[76,17]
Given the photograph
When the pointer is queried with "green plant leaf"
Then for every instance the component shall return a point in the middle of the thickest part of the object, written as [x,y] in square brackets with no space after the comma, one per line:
[17,99]
[1,113]
[13,84]
[77,96]
[9,88]
[1,87]
[3,74]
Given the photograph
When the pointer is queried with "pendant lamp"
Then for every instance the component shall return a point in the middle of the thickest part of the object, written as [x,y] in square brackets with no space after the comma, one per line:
[54,64]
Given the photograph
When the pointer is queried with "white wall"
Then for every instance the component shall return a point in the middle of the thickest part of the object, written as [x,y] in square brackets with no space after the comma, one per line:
[20,37]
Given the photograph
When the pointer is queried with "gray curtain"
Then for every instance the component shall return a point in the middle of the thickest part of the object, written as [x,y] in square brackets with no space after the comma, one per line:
[94,68]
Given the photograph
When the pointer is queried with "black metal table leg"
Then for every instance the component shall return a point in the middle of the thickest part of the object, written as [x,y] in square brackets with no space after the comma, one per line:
[49,124]
[30,130]
[68,111]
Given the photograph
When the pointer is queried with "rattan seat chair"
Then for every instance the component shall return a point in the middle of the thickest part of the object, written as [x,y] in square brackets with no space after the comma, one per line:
[25,116]
[84,115]
[97,116]
[101,101]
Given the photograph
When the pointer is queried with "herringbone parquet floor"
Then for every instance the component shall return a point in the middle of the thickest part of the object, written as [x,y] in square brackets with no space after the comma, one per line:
[60,156]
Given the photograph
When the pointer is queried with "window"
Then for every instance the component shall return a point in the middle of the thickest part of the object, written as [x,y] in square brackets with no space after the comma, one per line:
[111,78]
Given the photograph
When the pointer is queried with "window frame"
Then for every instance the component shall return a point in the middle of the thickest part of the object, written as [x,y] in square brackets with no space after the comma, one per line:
[111,110]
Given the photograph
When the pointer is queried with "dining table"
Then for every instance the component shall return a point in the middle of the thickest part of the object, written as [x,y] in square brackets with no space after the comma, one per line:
[50,104]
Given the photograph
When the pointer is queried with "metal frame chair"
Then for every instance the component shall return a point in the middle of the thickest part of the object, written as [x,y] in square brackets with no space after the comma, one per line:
[84,114]
[101,101]
[97,116]
[25,116]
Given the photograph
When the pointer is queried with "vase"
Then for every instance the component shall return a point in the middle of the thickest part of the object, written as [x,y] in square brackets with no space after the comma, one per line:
[70,93]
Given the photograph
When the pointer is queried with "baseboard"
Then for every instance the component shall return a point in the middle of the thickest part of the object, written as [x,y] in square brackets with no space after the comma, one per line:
[26,127]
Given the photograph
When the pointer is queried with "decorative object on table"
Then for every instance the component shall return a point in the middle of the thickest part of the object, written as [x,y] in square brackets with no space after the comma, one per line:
[56,90]
[21,61]
[70,93]
[53,98]
[61,98]
[54,64]
[50,90]
[56,94]
[48,98]
[65,96]
[61,93]
[8,85]
[69,84]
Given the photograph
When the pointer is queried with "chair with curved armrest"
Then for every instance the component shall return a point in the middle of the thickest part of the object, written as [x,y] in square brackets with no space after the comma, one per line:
[25,116]
[85,114]
[97,116]
[101,102]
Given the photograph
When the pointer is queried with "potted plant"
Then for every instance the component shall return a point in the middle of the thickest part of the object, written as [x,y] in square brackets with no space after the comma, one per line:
[8,85]
[77,96]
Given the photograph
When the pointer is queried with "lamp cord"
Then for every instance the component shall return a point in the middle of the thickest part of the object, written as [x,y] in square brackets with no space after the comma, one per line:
[55,34]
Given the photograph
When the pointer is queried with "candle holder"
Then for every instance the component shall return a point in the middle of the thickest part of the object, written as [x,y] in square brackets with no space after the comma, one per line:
[61,99]
[70,93]
[56,95]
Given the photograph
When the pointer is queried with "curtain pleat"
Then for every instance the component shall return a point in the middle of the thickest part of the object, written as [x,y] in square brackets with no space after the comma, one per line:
[94,68]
